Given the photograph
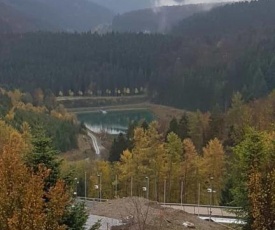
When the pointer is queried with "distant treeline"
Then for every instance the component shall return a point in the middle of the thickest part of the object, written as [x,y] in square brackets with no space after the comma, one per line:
[191,69]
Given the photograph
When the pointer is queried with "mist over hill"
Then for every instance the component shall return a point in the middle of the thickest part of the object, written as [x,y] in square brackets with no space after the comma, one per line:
[122,6]
[214,54]
[157,20]
[11,20]
[230,19]
[55,15]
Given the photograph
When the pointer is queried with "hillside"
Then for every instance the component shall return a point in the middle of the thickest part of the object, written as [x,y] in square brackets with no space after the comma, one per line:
[229,19]
[12,20]
[122,6]
[159,19]
[189,71]
[62,15]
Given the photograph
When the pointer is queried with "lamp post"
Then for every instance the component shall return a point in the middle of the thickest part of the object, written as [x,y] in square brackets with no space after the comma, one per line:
[164,191]
[199,196]
[85,186]
[75,187]
[181,193]
[131,186]
[210,190]
[147,187]
[99,190]
[116,187]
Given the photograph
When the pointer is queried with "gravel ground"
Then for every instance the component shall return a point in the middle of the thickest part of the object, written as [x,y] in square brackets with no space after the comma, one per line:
[106,223]
[141,214]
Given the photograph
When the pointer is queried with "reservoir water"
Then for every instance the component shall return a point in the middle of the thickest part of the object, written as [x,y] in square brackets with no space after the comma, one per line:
[113,122]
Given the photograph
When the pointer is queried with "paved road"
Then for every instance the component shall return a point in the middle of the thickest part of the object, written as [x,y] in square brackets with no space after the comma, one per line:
[95,142]
[97,146]
[203,210]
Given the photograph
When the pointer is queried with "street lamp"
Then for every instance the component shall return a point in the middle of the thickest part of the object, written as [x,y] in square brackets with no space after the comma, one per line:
[147,187]
[181,193]
[116,187]
[210,190]
[85,185]
[131,186]
[164,191]
[75,188]
[99,191]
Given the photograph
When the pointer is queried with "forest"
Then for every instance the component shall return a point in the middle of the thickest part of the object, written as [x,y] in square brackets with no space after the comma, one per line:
[223,76]
[232,153]
[35,194]
[40,112]
[193,70]
[156,20]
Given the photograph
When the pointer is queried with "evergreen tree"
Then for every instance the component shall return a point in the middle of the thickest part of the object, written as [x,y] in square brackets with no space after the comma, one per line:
[173,127]
[183,127]
[119,145]
[44,154]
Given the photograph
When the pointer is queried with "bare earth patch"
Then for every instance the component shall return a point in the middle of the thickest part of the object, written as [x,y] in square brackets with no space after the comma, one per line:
[141,214]
[85,150]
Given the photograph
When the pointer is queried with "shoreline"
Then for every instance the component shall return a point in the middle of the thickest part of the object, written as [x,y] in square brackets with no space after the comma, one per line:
[126,107]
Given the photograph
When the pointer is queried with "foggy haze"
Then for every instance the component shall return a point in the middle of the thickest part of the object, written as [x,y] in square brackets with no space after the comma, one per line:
[158,3]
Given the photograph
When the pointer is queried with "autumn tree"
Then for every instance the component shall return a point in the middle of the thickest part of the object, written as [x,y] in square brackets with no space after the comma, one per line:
[254,181]
[238,118]
[213,166]
[146,159]
[22,194]
[126,172]
[174,155]
[190,171]
[199,129]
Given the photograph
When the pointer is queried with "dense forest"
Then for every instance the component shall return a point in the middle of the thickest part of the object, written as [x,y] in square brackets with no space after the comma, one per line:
[39,112]
[191,71]
[222,60]
[229,19]
[156,20]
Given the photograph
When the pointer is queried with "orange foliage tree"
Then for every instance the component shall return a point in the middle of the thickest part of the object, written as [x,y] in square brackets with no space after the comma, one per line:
[24,203]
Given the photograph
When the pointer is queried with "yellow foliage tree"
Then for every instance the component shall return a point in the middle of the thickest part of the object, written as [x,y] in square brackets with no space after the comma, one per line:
[190,171]
[213,166]
[22,194]
[174,152]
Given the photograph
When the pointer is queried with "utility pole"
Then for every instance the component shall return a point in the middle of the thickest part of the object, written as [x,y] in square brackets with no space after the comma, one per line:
[131,186]
[85,187]
[181,194]
[211,194]
[147,187]
[199,196]
[99,190]
[164,191]
[116,187]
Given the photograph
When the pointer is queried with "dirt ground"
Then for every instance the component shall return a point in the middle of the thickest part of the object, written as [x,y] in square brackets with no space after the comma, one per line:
[85,150]
[140,214]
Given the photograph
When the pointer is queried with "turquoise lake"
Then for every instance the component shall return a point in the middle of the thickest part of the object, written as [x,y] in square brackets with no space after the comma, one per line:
[113,122]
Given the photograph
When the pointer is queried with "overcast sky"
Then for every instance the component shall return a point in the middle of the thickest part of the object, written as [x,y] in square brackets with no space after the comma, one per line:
[157,3]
